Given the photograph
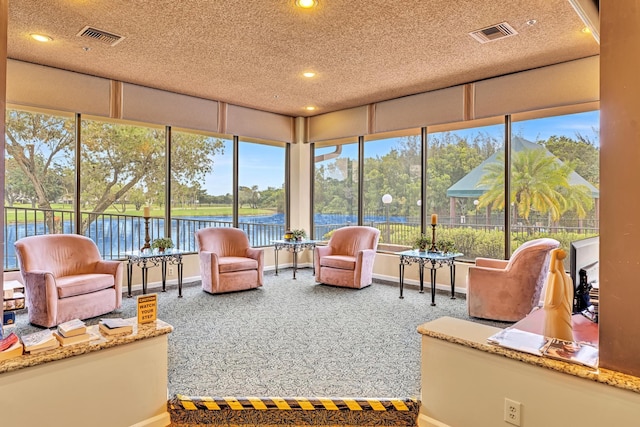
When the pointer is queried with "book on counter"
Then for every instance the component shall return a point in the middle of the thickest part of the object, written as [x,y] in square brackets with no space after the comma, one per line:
[115,327]
[72,328]
[40,341]
[8,341]
[14,350]
[571,351]
[74,339]
[515,339]
[539,345]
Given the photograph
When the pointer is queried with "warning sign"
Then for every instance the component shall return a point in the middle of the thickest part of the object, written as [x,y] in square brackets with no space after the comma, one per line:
[147,308]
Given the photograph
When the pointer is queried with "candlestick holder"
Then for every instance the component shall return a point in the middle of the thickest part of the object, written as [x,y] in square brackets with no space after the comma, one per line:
[147,239]
[433,238]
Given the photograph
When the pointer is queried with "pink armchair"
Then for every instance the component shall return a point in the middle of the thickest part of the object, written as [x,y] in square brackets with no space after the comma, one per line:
[66,278]
[227,262]
[348,258]
[508,290]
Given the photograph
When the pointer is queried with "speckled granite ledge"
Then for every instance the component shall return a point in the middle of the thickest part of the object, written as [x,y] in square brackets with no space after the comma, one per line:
[140,332]
[451,330]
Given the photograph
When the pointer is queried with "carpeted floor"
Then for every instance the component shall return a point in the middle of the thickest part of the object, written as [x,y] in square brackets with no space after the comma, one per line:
[295,338]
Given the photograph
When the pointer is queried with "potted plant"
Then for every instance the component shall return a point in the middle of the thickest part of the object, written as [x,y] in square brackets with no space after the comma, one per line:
[299,234]
[162,243]
[422,242]
[446,246]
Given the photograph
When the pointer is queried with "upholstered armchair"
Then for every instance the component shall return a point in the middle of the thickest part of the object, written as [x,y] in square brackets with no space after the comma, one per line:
[227,262]
[65,278]
[348,258]
[508,290]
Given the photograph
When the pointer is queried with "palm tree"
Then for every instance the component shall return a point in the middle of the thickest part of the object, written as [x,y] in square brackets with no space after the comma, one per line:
[539,182]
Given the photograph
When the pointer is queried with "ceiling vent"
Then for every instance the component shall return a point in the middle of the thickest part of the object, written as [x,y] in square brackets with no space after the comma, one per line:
[494,32]
[100,35]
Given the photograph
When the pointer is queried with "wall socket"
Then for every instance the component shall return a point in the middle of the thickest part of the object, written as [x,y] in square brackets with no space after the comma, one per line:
[512,412]
[170,271]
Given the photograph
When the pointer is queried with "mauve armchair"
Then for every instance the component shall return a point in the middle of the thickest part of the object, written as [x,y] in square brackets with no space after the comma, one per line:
[227,262]
[347,260]
[508,290]
[65,278]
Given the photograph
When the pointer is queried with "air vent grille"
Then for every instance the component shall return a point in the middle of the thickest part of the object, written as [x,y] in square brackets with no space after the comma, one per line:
[493,33]
[100,35]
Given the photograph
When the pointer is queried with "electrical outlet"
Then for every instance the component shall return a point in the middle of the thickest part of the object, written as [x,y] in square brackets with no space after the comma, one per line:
[170,271]
[512,412]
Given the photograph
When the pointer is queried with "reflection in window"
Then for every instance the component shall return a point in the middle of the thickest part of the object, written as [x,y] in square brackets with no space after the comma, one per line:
[335,188]
[457,161]
[392,176]
[201,185]
[555,178]
[261,192]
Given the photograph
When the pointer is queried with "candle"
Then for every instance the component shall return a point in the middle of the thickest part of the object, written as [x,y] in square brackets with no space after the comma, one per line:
[146,212]
[434,219]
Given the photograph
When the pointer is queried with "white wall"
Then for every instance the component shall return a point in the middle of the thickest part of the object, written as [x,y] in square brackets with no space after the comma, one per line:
[465,387]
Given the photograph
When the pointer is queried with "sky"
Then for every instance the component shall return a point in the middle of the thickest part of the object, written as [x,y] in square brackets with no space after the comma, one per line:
[263,165]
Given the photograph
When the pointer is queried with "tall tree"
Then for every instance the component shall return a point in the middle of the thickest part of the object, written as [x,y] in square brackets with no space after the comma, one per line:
[538,183]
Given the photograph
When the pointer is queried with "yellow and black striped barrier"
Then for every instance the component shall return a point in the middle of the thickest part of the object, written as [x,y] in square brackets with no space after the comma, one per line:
[193,403]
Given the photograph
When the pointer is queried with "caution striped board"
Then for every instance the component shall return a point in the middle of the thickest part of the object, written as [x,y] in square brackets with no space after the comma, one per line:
[193,403]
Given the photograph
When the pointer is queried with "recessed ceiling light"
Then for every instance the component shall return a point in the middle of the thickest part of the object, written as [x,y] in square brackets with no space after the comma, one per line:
[41,37]
[310,108]
[309,74]
[306,4]
[532,22]
[586,30]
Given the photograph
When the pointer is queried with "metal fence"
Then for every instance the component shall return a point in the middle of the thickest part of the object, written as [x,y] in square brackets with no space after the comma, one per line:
[115,234]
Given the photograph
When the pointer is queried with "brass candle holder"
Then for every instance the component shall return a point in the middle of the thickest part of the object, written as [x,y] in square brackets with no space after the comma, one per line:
[433,238]
[147,238]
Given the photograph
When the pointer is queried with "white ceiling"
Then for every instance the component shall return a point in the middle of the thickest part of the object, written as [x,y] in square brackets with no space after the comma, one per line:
[252,53]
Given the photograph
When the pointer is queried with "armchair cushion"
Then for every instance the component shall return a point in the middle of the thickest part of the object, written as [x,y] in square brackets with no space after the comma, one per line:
[71,286]
[344,262]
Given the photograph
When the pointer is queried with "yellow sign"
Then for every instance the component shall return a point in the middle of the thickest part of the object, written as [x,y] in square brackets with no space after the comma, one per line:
[147,308]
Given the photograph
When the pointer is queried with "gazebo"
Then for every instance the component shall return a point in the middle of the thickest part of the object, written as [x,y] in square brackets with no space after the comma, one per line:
[468,187]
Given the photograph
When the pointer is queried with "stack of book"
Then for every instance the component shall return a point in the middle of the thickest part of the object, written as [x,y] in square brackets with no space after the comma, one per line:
[72,332]
[39,341]
[111,327]
[10,347]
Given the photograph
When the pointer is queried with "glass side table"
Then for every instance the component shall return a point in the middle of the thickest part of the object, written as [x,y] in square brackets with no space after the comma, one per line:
[295,246]
[152,258]
[433,260]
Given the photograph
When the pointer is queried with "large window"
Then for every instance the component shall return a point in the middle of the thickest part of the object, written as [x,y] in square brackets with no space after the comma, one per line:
[458,162]
[201,184]
[39,176]
[335,193]
[555,178]
[122,170]
[261,192]
[391,186]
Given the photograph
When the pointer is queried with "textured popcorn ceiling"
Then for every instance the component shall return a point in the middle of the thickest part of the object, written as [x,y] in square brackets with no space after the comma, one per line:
[252,53]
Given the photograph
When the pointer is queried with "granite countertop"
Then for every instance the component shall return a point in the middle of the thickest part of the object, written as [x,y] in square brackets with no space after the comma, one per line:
[140,332]
[475,336]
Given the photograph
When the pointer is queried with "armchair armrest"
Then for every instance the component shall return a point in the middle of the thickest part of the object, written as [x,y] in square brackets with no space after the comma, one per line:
[41,294]
[364,266]
[114,268]
[258,255]
[209,269]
